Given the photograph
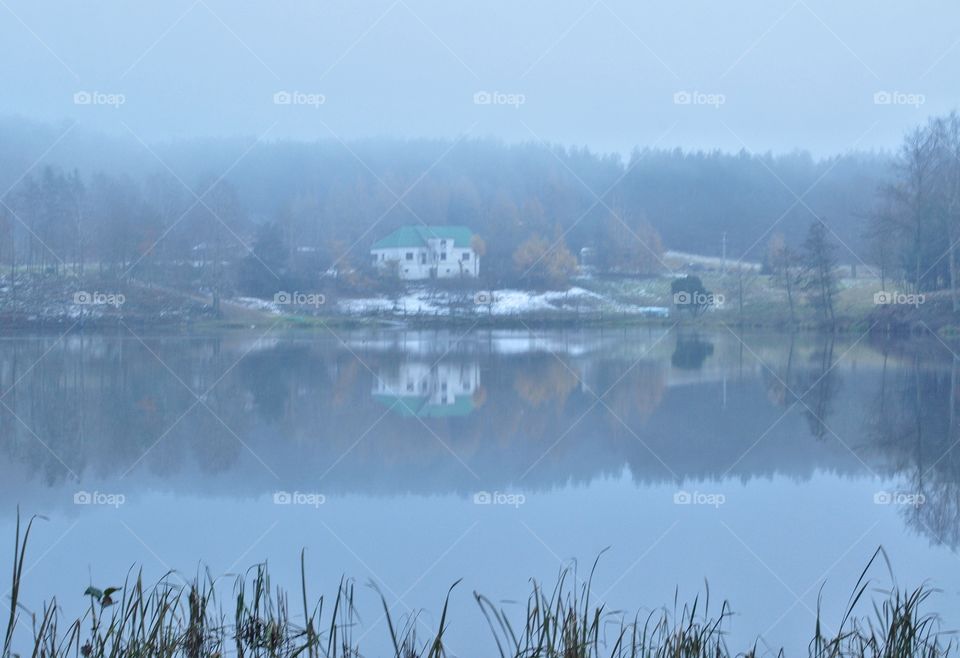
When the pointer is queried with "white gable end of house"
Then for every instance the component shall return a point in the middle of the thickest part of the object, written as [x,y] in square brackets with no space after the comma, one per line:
[435,257]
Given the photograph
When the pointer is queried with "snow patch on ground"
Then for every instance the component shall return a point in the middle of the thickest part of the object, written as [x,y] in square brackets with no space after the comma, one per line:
[504,302]
[255,304]
[409,304]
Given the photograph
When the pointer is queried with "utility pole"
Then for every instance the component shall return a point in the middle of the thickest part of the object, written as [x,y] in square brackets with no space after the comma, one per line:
[723,250]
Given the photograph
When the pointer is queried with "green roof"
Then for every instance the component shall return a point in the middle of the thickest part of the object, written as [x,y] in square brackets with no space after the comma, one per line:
[417,236]
[419,405]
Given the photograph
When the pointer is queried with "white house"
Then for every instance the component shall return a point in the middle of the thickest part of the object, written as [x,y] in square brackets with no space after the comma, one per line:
[428,252]
[428,390]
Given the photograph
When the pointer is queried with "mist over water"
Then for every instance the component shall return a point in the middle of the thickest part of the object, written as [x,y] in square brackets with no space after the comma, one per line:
[479,293]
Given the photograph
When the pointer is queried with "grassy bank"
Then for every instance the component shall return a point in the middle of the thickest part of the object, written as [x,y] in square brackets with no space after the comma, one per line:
[752,301]
[207,619]
[748,300]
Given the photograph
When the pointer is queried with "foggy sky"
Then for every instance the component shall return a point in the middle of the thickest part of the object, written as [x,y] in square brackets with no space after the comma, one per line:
[760,75]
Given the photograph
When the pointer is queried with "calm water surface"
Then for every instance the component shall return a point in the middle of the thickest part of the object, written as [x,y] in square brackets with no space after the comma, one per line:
[768,465]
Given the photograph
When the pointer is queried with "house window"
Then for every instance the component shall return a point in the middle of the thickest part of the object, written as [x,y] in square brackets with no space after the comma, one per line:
[443,243]
[423,258]
[465,256]
[409,255]
[443,256]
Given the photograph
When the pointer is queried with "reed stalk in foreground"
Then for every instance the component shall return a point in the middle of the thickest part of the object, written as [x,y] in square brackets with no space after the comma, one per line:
[187,620]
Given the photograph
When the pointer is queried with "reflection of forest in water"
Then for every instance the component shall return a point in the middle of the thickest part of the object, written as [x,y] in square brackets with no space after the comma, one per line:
[386,413]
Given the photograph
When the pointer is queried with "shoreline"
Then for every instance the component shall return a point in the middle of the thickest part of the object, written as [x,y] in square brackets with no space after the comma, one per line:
[905,325]
[62,304]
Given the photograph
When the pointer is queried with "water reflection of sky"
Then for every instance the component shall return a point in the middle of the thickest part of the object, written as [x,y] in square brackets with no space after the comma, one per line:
[792,457]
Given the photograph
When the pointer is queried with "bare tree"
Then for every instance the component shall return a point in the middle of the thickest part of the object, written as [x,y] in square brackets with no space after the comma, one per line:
[912,200]
[784,265]
[819,275]
[949,172]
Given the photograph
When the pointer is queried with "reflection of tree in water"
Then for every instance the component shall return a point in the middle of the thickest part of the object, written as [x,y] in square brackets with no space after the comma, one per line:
[479,397]
[110,404]
[27,377]
[635,395]
[270,376]
[691,351]
[544,379]
[818,388]
[915,426]
[810,384]
[349,373]
[269,385]
[102,404]
[527,401]
[938,517]
[775,378]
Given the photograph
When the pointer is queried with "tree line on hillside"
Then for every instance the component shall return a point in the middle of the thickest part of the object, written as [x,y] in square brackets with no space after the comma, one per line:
[247,218]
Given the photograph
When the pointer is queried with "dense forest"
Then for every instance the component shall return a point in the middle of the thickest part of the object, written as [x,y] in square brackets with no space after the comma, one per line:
[252,215]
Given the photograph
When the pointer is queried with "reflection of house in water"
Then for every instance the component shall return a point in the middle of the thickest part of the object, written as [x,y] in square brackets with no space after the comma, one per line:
[417,388]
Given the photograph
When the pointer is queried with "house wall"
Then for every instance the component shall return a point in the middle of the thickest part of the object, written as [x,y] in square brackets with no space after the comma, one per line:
[440,383]
[426,258]
[454,266]
[410,270]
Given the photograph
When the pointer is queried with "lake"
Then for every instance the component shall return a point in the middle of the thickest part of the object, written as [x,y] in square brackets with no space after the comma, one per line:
[770,467]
